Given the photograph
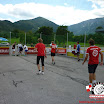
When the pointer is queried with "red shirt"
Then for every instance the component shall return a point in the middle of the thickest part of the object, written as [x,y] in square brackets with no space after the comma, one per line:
[41,49]
[93,52]
[53,48]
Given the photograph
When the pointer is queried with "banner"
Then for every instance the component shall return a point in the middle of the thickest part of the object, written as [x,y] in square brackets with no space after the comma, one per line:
[31,51]
[61,50]
[4,50]
[48,50]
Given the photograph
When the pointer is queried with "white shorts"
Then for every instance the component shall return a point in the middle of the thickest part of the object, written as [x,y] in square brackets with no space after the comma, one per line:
[13,50]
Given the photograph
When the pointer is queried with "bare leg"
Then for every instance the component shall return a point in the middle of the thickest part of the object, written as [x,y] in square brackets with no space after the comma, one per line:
[90,77]
[38,67]
[94,76]
[52,58]
[43,68]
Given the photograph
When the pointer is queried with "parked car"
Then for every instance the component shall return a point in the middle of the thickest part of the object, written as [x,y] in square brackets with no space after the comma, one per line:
[4,44]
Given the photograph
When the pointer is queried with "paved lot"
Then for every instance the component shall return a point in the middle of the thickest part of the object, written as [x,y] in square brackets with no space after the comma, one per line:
[63,83]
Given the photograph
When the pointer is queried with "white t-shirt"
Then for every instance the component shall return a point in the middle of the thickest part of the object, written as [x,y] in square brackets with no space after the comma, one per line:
[19,45]
[25,47]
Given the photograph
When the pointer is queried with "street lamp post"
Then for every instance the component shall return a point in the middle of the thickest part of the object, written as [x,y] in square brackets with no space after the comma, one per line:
[25,38]
[84,44]
[67,39]
[10,44]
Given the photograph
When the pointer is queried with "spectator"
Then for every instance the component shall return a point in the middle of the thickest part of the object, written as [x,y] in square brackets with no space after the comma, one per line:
[26,49]
[13,49]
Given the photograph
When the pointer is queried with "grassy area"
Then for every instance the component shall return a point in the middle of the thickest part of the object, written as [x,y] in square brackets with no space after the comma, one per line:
[82,44]
[17,40]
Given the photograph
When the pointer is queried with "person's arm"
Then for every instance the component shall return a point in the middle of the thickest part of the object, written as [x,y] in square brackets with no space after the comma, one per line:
[85,59]
[101,58]
[45,53]
[35,47]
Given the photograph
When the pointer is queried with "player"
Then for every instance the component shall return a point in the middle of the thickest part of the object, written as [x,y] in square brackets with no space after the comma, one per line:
[78,51]
[41,53]
[26,49]
[53,51]
[93,53]
[13,49]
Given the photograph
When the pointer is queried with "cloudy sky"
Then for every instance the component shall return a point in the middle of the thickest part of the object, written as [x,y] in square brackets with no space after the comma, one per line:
[62,12]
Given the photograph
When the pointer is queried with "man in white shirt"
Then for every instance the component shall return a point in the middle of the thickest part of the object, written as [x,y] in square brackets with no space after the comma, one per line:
[26,49]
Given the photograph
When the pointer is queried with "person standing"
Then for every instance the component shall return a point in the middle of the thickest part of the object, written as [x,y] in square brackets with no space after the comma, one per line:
[74,46]
[53,51]
[13,49]
[20,48]
[78,51]
[26,49]
[93,53]
[40,55]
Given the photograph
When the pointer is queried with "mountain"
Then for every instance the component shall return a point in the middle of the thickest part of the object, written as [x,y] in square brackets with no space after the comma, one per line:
[27,25]
[88,26]
[6,26]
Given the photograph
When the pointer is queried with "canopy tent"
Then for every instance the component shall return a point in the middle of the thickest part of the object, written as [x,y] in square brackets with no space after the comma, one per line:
[3,39]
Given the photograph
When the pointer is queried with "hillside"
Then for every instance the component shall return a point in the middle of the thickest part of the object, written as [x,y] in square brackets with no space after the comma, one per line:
[88,26]
[26,25]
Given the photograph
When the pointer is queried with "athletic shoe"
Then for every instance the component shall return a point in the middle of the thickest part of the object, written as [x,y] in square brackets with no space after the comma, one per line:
[78,59]
[39,72]
[42,73]
[53,63]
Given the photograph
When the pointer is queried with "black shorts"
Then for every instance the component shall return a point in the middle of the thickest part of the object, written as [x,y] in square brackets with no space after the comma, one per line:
[42,60]
[78,53]
[92,68]
[52,54]
[21,49]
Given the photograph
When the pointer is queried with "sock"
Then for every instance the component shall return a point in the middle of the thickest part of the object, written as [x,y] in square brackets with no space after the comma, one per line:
[90,83]
[94,81]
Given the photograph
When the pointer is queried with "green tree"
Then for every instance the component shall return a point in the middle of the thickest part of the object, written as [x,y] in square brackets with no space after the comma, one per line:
[46,34]
[100,27]
[61,34]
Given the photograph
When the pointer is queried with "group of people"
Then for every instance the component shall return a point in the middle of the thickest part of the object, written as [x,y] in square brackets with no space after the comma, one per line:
[40,47]
[19,48]
[93,53]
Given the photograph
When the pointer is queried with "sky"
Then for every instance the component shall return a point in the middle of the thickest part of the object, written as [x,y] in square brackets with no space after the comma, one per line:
[61,12]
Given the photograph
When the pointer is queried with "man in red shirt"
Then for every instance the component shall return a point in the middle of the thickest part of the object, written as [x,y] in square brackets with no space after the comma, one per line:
[41,53]
[53,51]
[93,52]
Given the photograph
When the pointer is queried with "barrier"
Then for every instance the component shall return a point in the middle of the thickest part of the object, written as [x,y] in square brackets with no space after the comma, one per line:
[4,50]
[48,50]
[61,50]
[69,53]
[31,51]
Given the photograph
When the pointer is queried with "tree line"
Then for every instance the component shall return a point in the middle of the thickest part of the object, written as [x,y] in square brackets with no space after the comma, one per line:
[47,34]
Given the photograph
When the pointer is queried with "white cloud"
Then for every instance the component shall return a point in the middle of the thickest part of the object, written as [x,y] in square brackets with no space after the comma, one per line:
[94,6]
[59,14]
[65,4]
[98,2]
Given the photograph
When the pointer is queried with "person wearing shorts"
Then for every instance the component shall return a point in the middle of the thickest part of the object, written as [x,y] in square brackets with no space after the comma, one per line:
[26,49]
[13,49]
[20,49]
[78,51]
[93,53]
[53,51]
[40,55]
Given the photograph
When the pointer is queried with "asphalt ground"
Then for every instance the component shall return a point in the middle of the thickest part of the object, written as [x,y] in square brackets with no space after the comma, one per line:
[63,83]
